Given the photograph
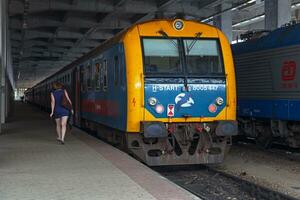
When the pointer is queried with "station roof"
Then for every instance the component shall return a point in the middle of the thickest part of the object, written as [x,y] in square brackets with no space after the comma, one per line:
[46,35]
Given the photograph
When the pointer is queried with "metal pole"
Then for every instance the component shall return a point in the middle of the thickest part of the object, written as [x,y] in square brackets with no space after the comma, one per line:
[1,60]
[3,56]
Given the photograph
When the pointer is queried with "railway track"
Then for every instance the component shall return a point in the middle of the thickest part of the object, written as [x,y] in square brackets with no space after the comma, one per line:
[274,149]
[210,184]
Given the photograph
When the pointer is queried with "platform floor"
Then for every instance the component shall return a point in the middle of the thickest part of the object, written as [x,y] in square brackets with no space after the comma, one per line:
[34,166]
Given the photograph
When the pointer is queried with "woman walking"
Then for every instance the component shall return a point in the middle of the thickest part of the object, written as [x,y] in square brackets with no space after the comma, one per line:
[59,112]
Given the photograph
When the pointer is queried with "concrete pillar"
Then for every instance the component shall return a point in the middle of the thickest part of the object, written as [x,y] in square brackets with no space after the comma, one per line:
[277,13]
[224,20]
[297,15]
[3,58]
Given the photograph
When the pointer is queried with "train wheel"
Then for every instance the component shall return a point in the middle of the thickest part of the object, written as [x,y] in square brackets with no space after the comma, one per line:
[264,139]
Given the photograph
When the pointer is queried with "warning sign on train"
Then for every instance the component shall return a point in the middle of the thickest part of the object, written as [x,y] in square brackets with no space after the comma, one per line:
[170,110]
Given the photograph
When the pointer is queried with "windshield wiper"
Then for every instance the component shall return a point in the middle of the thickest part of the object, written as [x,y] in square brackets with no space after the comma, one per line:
[189,48]
[164,34]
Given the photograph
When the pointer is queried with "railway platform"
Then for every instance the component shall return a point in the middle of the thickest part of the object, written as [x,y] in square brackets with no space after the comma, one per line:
[33,165]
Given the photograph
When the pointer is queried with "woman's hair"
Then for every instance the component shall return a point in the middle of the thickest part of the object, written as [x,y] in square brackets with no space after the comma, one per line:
[57,85]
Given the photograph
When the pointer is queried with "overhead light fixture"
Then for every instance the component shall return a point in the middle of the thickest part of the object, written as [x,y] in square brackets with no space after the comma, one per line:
[254,19]
[295,5]
[230,9]
[24,25]
[257,18]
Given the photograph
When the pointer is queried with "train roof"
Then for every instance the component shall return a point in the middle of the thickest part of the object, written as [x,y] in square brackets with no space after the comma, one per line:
[105,44]
[281,37]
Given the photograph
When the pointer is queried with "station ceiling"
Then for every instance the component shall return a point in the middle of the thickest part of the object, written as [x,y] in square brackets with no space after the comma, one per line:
[46,35]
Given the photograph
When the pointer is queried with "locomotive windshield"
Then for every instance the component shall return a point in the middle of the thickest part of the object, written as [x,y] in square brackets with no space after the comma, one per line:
[161,56]
[199,57]
[203,57]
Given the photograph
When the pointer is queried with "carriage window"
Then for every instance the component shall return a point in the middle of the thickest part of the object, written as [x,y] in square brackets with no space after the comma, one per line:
[97,75]
[68,78]
[105,78]
[203,57]
[161,56]
[116,70]
[82,79]
[89,77]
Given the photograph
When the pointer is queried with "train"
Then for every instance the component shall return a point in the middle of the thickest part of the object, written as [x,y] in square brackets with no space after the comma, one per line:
[268,87]
[164,90]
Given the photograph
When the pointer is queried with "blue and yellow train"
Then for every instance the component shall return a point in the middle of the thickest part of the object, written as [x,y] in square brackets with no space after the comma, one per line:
[165,89]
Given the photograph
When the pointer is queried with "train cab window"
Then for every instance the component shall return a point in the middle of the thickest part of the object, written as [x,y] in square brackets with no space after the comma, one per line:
[105,78]
[161,56]
[97,75]
[203,57]
[116,70]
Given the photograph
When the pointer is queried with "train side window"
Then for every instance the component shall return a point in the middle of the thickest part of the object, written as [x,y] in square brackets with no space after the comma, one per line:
[116,70]
[82,78]
[89,77]
[105,78]
[68,78]
[97,75]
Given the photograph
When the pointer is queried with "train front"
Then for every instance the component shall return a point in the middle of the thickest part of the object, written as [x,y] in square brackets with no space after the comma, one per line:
[182,100]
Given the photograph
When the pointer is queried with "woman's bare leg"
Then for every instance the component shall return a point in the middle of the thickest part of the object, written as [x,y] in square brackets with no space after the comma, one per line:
[63,127]
[58,128]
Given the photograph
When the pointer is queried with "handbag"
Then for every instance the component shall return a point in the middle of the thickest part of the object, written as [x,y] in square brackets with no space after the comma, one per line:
[65,103]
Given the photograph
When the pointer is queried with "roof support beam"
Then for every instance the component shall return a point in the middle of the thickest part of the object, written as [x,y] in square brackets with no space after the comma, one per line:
[37,6]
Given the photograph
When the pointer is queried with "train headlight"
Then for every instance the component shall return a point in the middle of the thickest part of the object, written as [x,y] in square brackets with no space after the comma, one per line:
[152,101]
[178,24]
[219,101]
[212,108]
[159,109]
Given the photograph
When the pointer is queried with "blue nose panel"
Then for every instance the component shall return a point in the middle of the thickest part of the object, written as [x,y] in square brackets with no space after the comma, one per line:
[192,101]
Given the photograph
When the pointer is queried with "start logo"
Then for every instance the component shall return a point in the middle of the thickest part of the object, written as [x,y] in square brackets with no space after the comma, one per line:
[184,100]
[288,71]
